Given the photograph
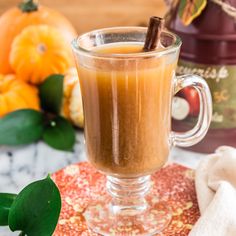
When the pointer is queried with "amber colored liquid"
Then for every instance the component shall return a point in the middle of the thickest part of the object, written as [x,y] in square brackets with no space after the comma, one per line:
[127,106]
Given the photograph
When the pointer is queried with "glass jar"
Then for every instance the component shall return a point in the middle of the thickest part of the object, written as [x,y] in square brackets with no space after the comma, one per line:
[209,49]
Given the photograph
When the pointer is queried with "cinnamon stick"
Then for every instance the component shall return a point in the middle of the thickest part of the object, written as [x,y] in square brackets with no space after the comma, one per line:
[153,33]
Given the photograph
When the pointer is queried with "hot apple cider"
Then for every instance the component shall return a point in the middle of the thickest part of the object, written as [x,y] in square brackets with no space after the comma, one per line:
[127,104]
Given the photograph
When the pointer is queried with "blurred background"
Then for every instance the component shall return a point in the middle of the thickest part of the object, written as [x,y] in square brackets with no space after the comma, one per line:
[86,15]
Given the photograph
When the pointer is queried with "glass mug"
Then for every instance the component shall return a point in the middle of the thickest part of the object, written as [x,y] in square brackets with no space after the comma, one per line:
[127,98]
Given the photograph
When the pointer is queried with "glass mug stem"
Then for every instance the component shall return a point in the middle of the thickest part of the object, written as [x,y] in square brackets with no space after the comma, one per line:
[128,194]
[196,134]
[129,206]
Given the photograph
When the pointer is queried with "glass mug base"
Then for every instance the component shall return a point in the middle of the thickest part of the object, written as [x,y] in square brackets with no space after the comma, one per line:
[128,210]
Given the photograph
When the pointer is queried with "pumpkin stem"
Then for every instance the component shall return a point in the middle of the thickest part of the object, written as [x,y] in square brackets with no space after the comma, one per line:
[28,6]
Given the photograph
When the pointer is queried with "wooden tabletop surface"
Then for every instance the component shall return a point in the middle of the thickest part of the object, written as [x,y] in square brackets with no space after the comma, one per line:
[91,14]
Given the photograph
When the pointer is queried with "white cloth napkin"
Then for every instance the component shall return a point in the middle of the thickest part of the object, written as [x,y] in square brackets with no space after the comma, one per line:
[216,192]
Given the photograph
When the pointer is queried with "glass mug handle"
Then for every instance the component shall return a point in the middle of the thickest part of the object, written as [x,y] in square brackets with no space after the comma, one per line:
[197,133]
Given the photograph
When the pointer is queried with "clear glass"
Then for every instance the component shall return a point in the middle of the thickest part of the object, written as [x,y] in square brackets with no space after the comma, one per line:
[127,99]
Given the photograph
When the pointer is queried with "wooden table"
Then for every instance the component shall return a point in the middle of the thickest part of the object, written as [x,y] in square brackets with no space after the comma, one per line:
[91,14]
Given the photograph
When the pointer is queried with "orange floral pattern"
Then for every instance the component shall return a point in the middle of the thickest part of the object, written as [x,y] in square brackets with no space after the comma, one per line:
[80,184]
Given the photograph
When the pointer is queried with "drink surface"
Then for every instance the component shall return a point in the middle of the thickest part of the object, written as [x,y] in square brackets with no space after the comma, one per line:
[127,104]
[120,48]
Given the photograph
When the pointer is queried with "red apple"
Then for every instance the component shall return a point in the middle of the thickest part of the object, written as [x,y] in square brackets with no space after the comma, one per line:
[191,95]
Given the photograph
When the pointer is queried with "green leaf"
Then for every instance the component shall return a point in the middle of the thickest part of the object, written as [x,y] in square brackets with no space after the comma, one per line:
[51,93]
[6,200]
[22,234]
[21,127]
[59,134]
[36,209]
[190,9]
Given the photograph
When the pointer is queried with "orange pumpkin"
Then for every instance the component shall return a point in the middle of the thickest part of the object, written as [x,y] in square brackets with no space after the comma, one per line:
[16,94]
[38,52]
[72,108]
[13,21]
